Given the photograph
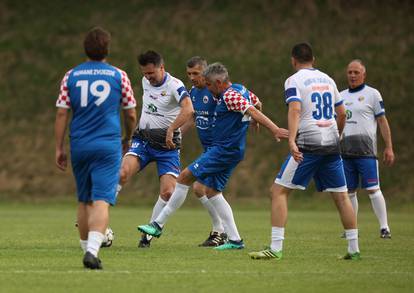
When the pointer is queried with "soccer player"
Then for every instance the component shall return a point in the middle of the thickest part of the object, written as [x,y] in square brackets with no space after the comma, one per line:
[204,116]
[365,109]
[94,91]
[313,100]
[213,168]
[166,106]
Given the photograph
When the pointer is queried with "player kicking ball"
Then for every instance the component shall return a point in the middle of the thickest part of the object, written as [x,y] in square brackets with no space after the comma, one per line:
[214,167]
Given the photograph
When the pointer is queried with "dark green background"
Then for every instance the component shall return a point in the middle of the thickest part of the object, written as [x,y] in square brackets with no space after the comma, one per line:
[41,40]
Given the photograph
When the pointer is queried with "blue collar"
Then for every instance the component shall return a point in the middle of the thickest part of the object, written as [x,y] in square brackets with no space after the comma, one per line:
[163,81]
[357,89]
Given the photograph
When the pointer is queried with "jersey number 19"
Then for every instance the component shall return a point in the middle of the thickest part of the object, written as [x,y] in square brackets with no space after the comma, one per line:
[98,88]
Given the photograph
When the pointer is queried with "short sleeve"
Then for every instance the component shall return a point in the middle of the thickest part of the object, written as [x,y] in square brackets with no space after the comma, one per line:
[378,104]
[253,98]
[236,102]
[338,100]
[128,99]
[292,93]
[63,100]
[179,91]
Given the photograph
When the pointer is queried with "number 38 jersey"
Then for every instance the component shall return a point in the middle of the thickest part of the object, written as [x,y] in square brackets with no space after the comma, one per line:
[95,91]
[318,94]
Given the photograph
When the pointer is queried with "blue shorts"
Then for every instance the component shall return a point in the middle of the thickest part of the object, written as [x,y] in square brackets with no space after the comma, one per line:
[168,161]
[97,174]
[326,170]
[364,168]
[215,166]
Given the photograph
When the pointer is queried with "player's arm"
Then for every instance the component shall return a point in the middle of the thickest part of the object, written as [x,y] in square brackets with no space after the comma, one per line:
[262,119]
[187,125]
[388,156]
[186,113]
[293,126]
[130,121]
[61,122]
[259,106]
[340,117]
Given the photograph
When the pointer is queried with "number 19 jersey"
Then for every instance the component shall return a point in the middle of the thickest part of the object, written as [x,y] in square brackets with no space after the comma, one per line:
[95,91]
[318,95]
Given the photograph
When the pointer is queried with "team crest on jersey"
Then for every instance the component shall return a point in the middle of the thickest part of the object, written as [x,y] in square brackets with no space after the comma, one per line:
[361,98]
[163,93]
[152,108]
[193,98]
[205,99]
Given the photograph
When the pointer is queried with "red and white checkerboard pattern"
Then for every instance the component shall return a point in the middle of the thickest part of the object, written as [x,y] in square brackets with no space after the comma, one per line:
[128,99]
[235,101]
[63,100]
[253,98]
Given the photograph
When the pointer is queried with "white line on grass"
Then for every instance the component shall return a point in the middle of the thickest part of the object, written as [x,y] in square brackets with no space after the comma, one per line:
[126,272]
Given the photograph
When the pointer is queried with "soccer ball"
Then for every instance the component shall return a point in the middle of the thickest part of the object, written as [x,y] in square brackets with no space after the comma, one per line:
[109,238]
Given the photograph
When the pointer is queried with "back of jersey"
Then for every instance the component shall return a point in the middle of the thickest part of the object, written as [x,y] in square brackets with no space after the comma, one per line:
[94,91]
[318,94]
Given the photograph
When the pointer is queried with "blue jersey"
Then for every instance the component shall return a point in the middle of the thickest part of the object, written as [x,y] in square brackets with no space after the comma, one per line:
[231,123]
[95,91]
[204,106]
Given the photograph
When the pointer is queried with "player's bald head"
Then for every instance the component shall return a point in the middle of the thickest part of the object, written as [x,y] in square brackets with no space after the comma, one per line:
[357,63]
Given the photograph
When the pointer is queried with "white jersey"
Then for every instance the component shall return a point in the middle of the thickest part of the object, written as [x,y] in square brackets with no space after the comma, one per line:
[363,106]
[318,94]
[160,108]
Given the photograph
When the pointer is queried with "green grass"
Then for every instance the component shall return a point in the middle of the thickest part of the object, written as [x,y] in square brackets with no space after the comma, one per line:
[39,252]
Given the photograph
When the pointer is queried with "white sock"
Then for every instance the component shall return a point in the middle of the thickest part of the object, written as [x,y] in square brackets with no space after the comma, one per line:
[159,205]
[83,244]
[95,240]
[354,200]
[380,208]
[226,215]
[118,189]
[215,219]
[352,236]
[176,200]
[278,235]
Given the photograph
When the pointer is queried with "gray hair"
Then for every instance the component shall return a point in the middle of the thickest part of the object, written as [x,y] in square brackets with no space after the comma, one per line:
[359,61]
[216,71]
[196,60]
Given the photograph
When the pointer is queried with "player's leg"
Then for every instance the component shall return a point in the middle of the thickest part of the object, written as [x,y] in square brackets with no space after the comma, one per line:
[82,224]
[216,236]
[330,177]
[352,181]
[291,176]
[370,181]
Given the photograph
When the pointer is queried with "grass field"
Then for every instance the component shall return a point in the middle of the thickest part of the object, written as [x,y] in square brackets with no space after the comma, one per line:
[39,252]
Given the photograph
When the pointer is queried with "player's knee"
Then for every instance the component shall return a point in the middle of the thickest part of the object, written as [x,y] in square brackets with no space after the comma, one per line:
[166,194]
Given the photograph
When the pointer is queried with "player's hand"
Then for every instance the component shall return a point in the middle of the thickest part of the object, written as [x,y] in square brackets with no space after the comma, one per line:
[61,160]
[281,133]
[388,157]
[296,154]
[169,139]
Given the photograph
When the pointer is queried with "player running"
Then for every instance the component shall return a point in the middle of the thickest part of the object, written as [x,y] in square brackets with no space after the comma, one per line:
[157,138]
[313,100]
[213,168]
[94,91]
[365,109]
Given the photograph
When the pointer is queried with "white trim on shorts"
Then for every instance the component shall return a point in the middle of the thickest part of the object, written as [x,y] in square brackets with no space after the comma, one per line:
[288,174]
[336,189]
[289,185]
[171,173]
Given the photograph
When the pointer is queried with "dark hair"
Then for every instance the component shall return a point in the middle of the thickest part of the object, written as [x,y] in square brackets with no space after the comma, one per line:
[302,53]
[150,57]
[96,43]
[196,60]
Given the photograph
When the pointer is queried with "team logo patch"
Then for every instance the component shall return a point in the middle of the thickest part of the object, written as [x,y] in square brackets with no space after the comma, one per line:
[152,108]
[205,99]
[348,114]
[163,93]
[193,98]
[361,98]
